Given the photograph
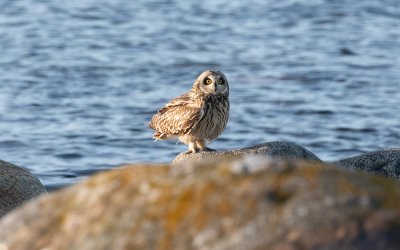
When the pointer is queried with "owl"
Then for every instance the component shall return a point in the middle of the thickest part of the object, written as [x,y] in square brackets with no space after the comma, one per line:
[197,117]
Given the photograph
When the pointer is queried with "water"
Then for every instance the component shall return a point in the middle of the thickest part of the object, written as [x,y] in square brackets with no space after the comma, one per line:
[80,80]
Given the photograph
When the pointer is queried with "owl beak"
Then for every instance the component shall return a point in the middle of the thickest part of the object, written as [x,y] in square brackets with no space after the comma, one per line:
[216,91]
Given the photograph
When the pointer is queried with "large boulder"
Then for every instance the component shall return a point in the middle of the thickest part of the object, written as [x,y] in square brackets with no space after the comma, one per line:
[383,162]
[16,186]
[252,203]
[276,150]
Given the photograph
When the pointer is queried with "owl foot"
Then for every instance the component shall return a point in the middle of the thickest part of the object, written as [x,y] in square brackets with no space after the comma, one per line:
[192,148]
[191,151]
[201,144]
[207,149]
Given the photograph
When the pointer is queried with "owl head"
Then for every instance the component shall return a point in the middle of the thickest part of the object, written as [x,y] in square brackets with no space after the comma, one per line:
[212,82]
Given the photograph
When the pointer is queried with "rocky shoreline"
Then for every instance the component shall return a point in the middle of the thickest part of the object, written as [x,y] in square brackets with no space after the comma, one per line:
[276,195]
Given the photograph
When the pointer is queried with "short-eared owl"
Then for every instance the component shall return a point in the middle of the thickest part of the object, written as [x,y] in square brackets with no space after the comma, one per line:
[198,116]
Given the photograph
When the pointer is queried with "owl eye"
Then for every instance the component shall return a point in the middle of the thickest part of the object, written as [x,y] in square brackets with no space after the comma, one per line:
[207,81]
[220,81]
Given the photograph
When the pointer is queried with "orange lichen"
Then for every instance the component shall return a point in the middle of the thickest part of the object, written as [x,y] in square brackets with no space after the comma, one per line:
[178,210]
[224,208]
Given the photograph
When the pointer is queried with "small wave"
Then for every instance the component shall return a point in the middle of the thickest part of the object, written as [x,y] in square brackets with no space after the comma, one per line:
[12,144]
[361,130]
[69,155]
[312,112]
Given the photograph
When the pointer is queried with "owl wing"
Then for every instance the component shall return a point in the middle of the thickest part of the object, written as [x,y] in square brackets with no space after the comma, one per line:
[178,101]
[177,117]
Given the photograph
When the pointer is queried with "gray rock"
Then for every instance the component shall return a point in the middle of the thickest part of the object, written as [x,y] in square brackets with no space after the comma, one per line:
[275,150]
[17,185]
[383,162]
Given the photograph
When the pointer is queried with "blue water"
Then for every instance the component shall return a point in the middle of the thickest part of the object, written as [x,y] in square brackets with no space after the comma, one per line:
[80,79]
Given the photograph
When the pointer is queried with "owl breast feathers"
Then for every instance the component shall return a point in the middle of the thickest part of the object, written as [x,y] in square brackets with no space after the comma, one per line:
[198,116]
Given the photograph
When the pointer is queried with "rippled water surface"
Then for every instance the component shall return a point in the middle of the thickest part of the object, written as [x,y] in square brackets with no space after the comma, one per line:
[80,80]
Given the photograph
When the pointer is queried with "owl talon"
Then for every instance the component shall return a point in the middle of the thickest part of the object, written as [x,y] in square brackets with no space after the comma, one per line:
[191,151]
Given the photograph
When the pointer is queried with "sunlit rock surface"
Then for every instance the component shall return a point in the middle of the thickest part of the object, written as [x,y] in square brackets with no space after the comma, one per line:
[247,204]
[17,185]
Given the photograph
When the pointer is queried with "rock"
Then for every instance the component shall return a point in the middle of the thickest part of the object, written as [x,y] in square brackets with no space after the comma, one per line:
[247,204]
[276,150]
[16,186]
[383,162]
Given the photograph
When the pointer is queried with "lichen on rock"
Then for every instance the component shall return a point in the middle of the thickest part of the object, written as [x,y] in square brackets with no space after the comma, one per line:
[223,205]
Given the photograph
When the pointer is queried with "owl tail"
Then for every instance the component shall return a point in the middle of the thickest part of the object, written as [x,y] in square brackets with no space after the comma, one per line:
[159,136]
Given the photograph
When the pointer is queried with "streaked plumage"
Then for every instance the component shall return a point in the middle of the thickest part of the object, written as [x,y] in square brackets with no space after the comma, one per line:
[198,116]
